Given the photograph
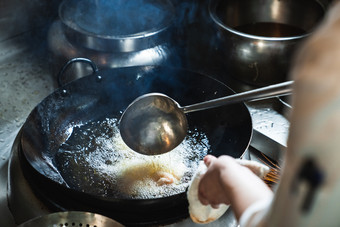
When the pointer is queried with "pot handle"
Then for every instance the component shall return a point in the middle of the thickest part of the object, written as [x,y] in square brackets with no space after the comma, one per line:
[70,62]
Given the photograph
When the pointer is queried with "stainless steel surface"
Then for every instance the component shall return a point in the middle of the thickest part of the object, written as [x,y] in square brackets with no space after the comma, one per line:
[270,128]
[25,80]
[21,199]
[71,218]
[24,77]
[268,146]
[154,123]
[261,59]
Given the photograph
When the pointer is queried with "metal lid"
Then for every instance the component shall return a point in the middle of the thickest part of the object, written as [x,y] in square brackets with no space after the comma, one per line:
[118,25]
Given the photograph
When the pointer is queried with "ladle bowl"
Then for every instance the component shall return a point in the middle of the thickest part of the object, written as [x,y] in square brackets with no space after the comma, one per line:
[154,123]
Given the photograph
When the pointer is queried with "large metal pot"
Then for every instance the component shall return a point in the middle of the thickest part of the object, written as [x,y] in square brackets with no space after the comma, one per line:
[259,37]
[105,94]
[111,33]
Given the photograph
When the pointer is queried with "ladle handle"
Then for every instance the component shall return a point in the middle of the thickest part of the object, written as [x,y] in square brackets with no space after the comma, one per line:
[270,91]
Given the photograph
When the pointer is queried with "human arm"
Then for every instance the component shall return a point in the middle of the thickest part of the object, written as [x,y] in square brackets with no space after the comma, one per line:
[227,182]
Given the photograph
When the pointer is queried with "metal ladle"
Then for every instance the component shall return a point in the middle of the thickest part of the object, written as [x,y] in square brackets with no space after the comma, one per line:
[154,123]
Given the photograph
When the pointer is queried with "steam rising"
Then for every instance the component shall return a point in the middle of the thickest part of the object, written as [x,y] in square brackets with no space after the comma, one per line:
[119,17]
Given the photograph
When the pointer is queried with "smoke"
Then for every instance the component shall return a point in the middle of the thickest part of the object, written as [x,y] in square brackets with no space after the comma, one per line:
[199,37]
[190,36]
[120,17]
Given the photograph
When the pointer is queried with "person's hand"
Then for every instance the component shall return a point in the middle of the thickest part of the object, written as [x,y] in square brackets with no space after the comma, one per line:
[228,182]
[213,189]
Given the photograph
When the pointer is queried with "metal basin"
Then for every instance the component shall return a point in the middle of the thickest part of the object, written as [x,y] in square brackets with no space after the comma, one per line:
[259,37]
[113,35]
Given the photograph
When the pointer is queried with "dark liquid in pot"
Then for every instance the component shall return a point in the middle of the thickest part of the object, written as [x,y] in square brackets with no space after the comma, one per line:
[270,29]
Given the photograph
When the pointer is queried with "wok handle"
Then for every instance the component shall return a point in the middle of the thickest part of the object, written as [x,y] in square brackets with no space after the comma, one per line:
[70,62]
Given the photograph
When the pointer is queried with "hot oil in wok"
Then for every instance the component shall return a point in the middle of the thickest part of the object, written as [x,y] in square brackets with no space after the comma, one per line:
[94,159]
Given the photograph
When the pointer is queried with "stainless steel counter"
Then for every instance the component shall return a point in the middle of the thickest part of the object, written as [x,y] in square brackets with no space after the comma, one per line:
[25,80]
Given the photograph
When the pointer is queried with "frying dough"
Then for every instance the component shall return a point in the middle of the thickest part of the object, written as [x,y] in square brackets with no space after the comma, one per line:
[200,213]
[203,214]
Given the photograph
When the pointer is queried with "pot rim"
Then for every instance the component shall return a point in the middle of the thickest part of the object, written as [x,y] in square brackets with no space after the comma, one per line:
[216,19]
[122,43]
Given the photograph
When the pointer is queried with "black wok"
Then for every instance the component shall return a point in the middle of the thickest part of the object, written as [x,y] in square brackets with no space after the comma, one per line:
[105,94]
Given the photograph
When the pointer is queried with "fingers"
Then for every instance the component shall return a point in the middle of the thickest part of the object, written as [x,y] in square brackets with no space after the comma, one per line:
[202,193]
[215,206]
[202,199]
[206,202]
[208,160]
[210,190]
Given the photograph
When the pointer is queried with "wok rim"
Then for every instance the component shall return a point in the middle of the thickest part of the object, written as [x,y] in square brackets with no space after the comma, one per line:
[126,200]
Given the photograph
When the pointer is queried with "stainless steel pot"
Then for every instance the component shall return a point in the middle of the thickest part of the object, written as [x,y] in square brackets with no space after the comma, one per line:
[260,37]
[112,34]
